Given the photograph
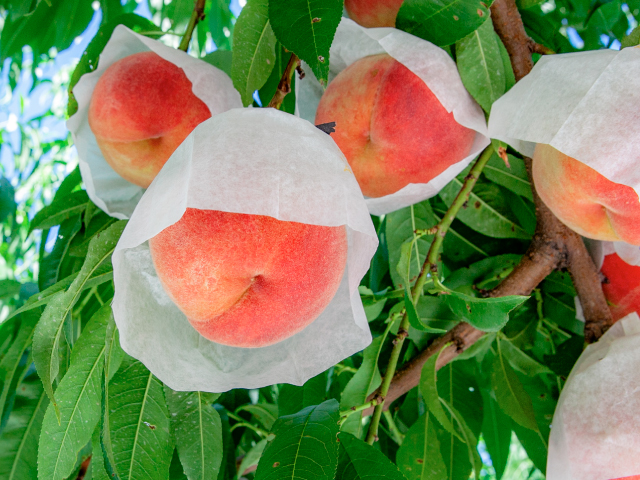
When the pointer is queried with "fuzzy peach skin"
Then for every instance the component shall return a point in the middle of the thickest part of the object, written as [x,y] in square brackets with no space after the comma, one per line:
[142,108]
[248,280]
[584,200]
[622,288]
[390,126]
[635,477]
[373,13]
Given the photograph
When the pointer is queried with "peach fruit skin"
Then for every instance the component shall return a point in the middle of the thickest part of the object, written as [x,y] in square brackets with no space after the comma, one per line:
[373,13]
[248,280]
[585,200]
[390,126]
[142,108]
[622,288]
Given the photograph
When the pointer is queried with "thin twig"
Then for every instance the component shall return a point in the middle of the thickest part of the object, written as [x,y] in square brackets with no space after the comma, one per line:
[429,269]
[284,86]
[536,47]
[196,16]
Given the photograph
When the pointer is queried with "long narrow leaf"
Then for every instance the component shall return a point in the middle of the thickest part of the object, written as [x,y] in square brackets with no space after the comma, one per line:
[78,401]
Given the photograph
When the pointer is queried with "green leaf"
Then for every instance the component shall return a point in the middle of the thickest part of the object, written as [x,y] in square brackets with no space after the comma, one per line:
[360,461]
[400,228]
[461,397]
[305,446]
[268,90]
[265,413]
[79,403]
[52,266]
[89,59]
[104,273]
[484,274]
[510,394]
[480,65]
[198,432]
[254,49]
[54,23]
[49,330]
[496,431]
[292,399]
[307,28]
[60,210]
[486,314]
[361,385]
[442,22]
[481,216]
[139,424]
[7,199]
[429,391]
[252,457]
[19,440]
[419,456]
[221,59]
[98,471]
[514,177]
[9,288]
[13,365]
[221,17]
[521,362]
[632,39]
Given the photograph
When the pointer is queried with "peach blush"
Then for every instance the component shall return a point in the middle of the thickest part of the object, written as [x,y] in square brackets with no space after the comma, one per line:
[248,280]
[390,126]
[585,200]
[141,109]
[373,13]
[622,288]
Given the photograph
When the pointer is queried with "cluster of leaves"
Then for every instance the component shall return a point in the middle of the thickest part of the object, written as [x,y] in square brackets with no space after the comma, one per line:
[73,404]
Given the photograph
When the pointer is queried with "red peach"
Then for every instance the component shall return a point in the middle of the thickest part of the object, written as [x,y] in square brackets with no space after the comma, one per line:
[373,13]
[585,200]
[634,477]
[142,108]
[248,280]
[622,288]
[390,126]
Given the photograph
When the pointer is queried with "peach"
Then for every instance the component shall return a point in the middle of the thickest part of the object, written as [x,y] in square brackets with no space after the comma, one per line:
[585,200]
[390,126]
[373,13]
[142,108]
[622,288]
[248,280]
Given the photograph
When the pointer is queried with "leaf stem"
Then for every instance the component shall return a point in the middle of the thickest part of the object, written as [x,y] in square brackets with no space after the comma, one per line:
[429,267]
[284,86]
[196,16]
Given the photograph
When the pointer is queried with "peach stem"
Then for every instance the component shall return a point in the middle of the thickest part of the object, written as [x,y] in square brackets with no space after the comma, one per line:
[196,16]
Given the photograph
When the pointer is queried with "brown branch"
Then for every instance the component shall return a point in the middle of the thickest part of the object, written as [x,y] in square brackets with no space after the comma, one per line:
[284,86]
[196,16]
[535,47]
[553,245]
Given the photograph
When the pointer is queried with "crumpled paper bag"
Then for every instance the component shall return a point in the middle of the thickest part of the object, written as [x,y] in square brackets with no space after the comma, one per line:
[105,187]
[252,161]
[595,433]
[584,104]
[429,62]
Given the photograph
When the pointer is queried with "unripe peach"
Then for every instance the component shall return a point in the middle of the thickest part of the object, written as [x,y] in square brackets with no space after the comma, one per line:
[585,200]
[373,13]
[390,126]
[141,109]
[248,280]
[622,288]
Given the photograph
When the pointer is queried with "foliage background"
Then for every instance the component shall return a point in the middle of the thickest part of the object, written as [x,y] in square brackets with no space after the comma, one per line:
[40,45]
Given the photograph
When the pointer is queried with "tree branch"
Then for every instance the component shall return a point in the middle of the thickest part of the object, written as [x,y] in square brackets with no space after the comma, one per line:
[284,86]
[196,16]
[553,245]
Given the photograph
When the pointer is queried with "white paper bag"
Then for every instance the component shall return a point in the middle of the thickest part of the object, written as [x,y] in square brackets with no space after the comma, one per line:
[595,433]
[252,161]
[586,105]
[105,187]
[430,63]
